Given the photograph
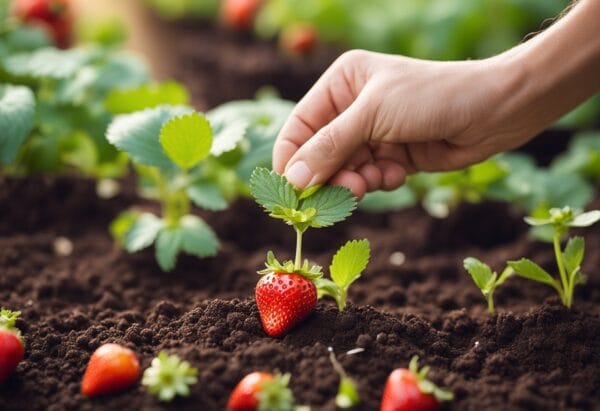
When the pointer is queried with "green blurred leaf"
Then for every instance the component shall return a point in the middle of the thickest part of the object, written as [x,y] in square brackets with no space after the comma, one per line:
[48,63]
[186,139]
[17,109]
[121,101]
[198,238]
[143,232]
[207,195]
[168,245]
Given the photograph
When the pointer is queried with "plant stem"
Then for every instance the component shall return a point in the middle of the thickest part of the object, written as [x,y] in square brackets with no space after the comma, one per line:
[490,301]
[298,260]
[561,268]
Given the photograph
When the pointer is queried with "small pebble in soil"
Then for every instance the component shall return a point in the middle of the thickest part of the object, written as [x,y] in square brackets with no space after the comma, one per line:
[63,246]
[397,258]
[107,188]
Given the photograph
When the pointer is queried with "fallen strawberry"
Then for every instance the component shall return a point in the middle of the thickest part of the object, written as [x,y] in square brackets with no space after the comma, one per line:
[11,343]
[262,391]
[240,14]
[54,16]
[112,368]
[409,390]
[298,39]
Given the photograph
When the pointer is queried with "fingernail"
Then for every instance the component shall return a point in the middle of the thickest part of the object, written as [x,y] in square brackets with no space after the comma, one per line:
[299,174]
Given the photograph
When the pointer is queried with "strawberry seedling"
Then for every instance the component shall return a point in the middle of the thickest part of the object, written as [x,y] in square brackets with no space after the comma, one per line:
[111,369]
[409,390]
[287,292]
[347,395]
[486,279]
[11,344]
[568,260]
[169,376]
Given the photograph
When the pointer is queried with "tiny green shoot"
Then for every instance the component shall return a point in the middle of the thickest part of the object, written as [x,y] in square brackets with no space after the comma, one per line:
[486,279]
[347,395]
[568,260]
[314,207]
[168,376]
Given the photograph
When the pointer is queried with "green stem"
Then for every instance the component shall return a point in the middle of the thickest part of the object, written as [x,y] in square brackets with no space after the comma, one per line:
[561,268]
[490,303]
[298,260]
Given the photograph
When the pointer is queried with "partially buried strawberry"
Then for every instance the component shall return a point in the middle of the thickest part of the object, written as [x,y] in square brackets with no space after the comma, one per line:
[283,300]
[262,391]
[112,368]
[409,390]
[240,14]
[11,344]
[54,16]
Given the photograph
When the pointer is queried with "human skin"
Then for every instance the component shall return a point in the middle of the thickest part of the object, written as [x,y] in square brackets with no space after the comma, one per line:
[372,118]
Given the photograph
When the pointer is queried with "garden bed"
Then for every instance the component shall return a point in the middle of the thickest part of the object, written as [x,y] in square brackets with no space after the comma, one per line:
[534,354]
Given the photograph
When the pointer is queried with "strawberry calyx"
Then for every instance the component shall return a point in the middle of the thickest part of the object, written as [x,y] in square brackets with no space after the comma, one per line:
[275,394]
[312,272]
[8,320]
[426,386]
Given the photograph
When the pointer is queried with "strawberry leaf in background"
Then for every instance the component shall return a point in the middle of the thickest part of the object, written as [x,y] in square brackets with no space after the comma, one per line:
[228,136]
[49,63]
[186,139]
[129,100]
[528,269]
[138,134]
[198,238]
[17,109]
[142,233]
[168,244]
[207,195]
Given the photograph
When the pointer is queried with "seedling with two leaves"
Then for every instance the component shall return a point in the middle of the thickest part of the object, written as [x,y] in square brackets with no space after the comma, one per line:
[568,260]
[287,292]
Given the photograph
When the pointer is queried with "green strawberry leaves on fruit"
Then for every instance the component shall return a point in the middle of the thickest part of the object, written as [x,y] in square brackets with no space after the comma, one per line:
[486,279]
[168,376]
[17,110]
[11,343]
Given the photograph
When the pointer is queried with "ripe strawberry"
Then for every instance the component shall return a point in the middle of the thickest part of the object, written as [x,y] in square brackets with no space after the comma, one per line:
[284,300]
[240,14]
[53,16]
[11,344]
[299,39]
[408,390]
[111,369]
[262,390]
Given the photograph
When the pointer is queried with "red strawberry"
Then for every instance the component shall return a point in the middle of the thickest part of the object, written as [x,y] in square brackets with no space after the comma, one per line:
[11,344]
[261,390]
[52,15]
[240,14]
[111,369]
[408,390]
[300,39]
[284,300]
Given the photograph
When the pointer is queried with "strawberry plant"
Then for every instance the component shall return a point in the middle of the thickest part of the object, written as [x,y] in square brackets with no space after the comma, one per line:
[111,369]
[287,292]
[169,376]
[568,260]
[347,395]
[408,389]
[486,279]
[11,343]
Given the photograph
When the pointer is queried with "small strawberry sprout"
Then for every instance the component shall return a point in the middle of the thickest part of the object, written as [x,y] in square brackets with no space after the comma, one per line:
[486,279]
[347,395]
[169,376]
[568,260]
[298,283]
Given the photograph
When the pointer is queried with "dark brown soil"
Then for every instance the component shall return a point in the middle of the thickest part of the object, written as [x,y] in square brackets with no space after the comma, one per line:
[532,355]
[219,65]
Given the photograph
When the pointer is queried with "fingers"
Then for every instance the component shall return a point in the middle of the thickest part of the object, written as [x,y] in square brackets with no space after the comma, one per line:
[321,156]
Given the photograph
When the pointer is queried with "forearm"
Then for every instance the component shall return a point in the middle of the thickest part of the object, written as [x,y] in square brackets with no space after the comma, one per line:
[552,73]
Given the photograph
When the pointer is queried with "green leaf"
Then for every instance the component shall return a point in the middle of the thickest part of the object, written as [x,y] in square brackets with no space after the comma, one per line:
[573,255]
[198,238]
[272,190]
[309,191]
[380,201]
[347,395]
[586,219]
[530,270]
[168,244]
[349,262]
[275,394]
[133,99]
[481,273]
[333,204]
[186,139]
[228,136]
[169,376]
[122,224]
[138,133]
[142,233]
[48,63]
[533,221]
[207,195]
[17,110]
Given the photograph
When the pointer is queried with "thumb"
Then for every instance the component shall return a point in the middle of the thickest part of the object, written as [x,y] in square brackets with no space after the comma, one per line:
[322,155]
